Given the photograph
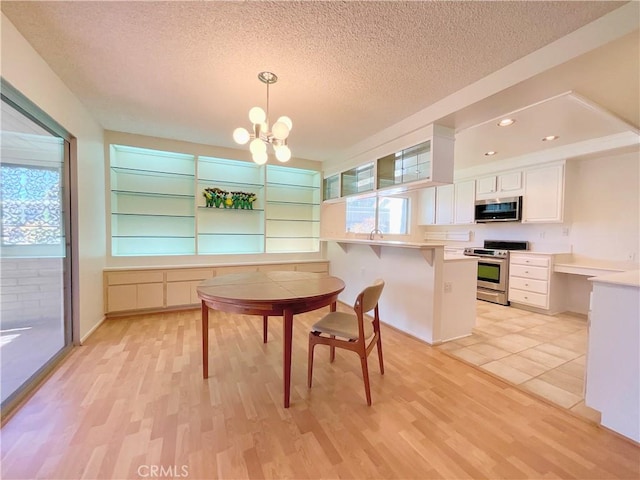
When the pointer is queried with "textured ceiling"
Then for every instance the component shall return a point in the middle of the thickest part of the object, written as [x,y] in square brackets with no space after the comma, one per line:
[347,70]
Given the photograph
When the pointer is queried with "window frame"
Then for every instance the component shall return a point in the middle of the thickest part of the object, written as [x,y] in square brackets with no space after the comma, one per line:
[406,215]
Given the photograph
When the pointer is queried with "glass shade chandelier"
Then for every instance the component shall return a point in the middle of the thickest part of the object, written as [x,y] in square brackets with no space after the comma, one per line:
[261,136]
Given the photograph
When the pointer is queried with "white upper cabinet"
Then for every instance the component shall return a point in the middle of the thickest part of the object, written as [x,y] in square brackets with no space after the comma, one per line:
[486,187]
[544,194]
[503,185]
[465,193]
[427,206]
[425,159]
[445,205]
[510,183]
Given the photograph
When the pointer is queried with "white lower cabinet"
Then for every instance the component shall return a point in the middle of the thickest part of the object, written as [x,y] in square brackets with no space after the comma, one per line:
[532,282]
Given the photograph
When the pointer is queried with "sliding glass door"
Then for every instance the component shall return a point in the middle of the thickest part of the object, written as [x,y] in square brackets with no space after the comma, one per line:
[35,283]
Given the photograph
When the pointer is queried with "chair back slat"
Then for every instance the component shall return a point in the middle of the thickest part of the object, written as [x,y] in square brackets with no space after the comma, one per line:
[371,295]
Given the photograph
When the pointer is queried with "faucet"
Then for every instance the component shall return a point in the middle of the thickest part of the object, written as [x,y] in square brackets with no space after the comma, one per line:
[373,232]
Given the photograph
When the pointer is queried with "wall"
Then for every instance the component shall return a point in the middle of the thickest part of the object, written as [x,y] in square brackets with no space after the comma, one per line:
[27,71]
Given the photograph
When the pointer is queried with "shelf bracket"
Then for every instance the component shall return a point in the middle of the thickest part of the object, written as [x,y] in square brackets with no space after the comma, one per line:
[344,246]
[428,255]
[377,249]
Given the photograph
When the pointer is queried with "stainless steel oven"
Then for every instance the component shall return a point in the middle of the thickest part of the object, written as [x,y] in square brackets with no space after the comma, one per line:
[493,269]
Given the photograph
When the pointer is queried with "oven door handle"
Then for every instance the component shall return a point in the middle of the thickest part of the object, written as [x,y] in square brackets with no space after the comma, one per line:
[493,261]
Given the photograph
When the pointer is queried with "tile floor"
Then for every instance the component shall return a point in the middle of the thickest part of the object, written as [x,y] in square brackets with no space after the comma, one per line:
[542,354]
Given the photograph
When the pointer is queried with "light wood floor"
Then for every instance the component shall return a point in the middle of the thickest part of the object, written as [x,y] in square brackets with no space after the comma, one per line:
[133,399]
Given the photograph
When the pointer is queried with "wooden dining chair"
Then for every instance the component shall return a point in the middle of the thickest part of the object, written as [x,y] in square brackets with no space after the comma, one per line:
[352,332]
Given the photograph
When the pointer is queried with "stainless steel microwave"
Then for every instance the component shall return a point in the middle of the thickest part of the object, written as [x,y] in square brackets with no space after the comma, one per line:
[508,209]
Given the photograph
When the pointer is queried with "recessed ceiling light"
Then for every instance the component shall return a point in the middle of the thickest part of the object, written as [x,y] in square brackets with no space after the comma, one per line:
[549,138]
[488,154]
[505,122]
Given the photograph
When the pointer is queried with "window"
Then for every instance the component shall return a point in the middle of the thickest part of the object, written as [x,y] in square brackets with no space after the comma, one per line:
[387,214]
[31,205]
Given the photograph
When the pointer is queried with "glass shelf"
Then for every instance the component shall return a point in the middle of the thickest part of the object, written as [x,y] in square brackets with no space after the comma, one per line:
[150,173]
[153,236]
[291,220]
[151,215]
[201,207]
[290,185]
[282,202]
[231,183]
[153,194]
[231,234]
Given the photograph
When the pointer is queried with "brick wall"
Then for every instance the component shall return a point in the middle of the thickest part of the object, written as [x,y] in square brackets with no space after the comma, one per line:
[30,290]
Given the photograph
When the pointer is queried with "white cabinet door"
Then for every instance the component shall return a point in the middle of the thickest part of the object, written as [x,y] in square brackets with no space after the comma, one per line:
[544,194]
[465,194]
[486,186]
[427,206]
[444,204]
[510,183]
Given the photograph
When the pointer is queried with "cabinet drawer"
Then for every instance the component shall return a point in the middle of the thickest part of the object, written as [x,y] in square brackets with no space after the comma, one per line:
[529,285]
[235,269]
[538,273]
[533,261]
[320,267]
[127,278]
[190,274]
[276,268]
[528,298]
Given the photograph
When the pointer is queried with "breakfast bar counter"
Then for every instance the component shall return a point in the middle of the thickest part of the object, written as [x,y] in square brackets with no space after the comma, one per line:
[427,295]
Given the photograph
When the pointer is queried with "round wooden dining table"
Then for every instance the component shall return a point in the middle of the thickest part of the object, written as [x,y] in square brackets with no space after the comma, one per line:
[277,293]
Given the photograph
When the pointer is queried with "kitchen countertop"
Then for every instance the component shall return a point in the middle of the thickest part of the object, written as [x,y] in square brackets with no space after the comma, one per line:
[630,278]
[384,243]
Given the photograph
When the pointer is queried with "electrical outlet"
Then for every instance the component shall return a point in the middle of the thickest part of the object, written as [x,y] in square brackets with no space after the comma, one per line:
[542,234]
[565,231]
[448,287]
[631,256]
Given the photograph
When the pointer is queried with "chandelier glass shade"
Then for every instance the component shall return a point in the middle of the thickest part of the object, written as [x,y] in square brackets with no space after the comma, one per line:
[260,136]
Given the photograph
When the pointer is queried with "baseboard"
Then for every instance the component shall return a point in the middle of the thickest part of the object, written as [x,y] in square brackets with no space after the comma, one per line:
[93,329]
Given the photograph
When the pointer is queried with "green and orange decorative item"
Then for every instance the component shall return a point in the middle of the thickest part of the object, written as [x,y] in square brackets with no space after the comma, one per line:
[218,198]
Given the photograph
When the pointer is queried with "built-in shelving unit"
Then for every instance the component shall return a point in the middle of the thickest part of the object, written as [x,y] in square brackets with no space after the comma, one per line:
[292,210]
[158,206]
[152,210]
[230,230]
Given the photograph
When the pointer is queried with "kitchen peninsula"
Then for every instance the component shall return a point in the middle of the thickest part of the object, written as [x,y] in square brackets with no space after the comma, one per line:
[427,294]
